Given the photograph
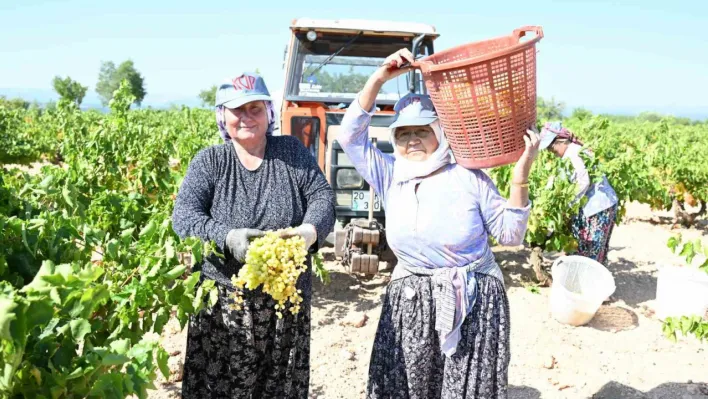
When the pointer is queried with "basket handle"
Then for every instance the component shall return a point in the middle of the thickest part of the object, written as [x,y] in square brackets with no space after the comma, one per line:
[521,32]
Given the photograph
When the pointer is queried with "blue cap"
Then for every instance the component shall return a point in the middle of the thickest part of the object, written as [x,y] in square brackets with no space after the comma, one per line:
[414,110]
[548,134]
[241,90]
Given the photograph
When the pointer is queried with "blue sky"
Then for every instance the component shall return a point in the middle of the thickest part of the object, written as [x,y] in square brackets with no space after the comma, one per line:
[623,56]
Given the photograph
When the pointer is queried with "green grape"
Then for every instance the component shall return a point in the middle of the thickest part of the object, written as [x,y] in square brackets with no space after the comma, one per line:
[275,264]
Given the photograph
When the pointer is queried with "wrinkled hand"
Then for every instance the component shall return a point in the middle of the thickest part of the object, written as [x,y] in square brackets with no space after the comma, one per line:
[306,231]
[533,141]
[391,67]
[238,240]
[522,169]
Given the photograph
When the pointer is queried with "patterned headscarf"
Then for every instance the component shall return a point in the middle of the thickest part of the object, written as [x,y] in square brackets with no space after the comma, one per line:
[561,132]
[221,120]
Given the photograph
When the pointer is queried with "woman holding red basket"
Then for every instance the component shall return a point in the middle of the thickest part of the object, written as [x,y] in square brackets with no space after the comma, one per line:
[444,327]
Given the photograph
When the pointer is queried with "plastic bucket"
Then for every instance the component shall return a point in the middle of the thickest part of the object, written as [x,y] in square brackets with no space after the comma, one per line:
[681,291]
[580,285]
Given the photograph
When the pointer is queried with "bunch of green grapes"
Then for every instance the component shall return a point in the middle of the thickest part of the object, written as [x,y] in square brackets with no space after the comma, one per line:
[275,263]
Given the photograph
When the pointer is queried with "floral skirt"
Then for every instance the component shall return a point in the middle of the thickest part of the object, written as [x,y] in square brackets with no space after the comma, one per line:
[248,353]
[406,361]
[593,233]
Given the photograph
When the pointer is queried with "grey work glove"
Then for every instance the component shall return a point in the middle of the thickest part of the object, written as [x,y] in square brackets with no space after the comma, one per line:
[238,240]
[306,231]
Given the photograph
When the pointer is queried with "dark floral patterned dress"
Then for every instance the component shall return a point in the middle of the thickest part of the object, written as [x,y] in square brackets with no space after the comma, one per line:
[250,353]
[593,233]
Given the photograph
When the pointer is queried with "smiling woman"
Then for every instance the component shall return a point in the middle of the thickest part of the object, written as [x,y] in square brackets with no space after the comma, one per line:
[247,121]
[421,146]
[252,183]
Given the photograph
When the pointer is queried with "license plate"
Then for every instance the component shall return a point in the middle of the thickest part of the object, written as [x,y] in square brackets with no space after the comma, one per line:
[361,201]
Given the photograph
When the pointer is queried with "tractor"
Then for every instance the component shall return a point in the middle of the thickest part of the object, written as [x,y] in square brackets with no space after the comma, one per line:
[326,64]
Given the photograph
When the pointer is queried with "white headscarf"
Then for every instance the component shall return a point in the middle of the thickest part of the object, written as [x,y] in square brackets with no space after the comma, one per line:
[404,169]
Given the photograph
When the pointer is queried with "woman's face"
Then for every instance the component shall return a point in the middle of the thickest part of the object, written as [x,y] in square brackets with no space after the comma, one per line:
[416,143]
[247,122]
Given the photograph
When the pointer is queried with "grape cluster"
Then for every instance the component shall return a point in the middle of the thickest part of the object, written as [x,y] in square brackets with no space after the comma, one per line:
[275,263]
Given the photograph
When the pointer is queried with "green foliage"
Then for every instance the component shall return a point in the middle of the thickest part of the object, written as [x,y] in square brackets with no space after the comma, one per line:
[23,137]
[208,96]
[319,269]
[695,324]
[89,263]
[14,103]
[552,195]
[653,117]
[651,159]
[618,154]
[649,117]
[532,288]
[581,114]
[549,110]
[648,162]
[690,251]
[652,163]
[69,90]
[110,78]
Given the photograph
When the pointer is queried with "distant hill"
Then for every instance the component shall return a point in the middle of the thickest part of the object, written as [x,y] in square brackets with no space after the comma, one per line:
[695,113]
[92,101]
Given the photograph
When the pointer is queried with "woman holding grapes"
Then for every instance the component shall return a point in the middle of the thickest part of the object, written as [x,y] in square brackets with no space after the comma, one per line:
[444,327]
[232,193]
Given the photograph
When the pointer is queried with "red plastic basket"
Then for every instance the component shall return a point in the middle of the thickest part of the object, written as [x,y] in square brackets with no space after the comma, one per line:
[485,96]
